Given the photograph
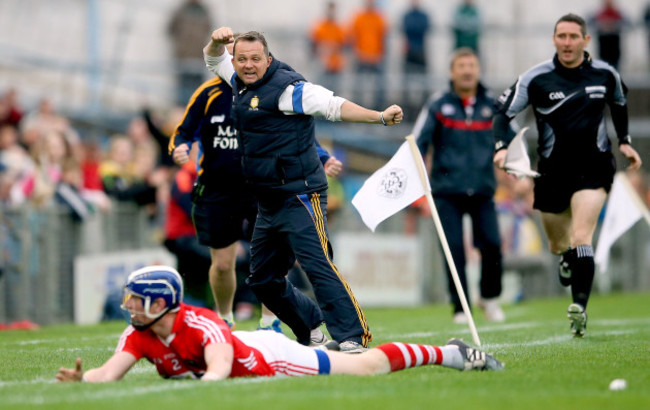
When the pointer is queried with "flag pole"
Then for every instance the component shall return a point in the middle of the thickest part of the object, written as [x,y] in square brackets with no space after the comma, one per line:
[443,239]
[635,196]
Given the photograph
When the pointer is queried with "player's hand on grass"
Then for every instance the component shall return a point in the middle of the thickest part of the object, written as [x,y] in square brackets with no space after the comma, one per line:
[70,375]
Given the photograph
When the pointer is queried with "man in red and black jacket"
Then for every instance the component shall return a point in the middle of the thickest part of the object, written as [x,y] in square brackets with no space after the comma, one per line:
[458,124]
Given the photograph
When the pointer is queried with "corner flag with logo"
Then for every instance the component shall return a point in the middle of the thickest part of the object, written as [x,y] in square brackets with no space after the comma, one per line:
[391,188]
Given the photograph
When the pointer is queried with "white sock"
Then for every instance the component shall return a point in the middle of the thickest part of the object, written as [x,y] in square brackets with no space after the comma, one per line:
[267,320]
[451,357]
[316,334]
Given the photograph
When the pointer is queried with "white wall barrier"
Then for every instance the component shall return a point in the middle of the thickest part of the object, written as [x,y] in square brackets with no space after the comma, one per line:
[382,269]
[99,275]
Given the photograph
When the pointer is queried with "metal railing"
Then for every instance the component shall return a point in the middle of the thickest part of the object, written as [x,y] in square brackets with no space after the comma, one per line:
[39,247]
[38,251]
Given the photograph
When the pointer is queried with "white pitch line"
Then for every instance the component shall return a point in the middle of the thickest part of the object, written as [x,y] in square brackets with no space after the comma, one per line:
[560,339]
[490,328]
[119,389]
[57,340]
[40,380]
[513,326]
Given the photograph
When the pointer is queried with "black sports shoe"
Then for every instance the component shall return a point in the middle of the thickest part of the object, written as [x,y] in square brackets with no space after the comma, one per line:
[323,343]
[475,359]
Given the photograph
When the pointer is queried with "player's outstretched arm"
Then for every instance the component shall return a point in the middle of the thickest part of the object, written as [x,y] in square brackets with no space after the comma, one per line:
[631,155]
[218,357]
[114,369]
[352,112]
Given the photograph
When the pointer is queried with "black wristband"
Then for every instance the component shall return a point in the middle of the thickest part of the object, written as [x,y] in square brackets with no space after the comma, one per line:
[625,140]
[499,146]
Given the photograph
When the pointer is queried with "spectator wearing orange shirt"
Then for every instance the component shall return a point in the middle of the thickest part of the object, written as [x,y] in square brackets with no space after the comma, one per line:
[368,36]
[328,42]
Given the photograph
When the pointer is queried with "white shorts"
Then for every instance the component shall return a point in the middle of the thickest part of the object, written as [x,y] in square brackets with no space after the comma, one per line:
[285,356]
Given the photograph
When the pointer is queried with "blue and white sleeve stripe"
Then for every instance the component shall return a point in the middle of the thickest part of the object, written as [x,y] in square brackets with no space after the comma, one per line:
[297,98]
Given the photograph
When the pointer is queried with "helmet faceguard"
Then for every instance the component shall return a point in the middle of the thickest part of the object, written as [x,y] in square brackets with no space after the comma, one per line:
[149,284]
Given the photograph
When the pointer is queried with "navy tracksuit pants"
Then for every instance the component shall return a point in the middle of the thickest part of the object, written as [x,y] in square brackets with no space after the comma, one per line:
[295,228]
[485,230]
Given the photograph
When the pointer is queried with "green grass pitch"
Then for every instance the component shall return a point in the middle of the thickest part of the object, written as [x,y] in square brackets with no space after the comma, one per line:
[546,368]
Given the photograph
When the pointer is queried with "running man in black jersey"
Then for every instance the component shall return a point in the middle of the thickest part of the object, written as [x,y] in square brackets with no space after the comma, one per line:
[568,95]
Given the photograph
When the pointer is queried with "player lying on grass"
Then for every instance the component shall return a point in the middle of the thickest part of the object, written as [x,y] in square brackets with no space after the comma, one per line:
[184,341]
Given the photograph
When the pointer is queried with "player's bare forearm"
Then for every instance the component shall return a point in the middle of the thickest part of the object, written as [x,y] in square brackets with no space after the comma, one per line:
[352,112]
[219,357]
[114,369]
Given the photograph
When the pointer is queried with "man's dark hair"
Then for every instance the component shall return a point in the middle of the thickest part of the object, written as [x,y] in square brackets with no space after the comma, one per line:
[252,36]
[461,52]
[573,18]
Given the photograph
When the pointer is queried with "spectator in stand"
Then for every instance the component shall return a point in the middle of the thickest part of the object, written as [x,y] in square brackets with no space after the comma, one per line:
[5,192]
[415,26]
[56,177]
[10,111]
[368,38]
[15,162]
[188,28]
[145,168]
[120,178]
[15,158]
[328,43]
[92,188]
[467,26]
[69,190]
[48,155]
[609,22]
[161,137]
[44,119]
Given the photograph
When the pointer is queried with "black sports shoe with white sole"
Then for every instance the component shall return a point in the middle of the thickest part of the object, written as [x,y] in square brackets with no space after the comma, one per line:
[475,359]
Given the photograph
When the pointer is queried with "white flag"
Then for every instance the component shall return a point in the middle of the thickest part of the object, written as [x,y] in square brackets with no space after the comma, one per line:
[390,189]
[517,160]
[622,212]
